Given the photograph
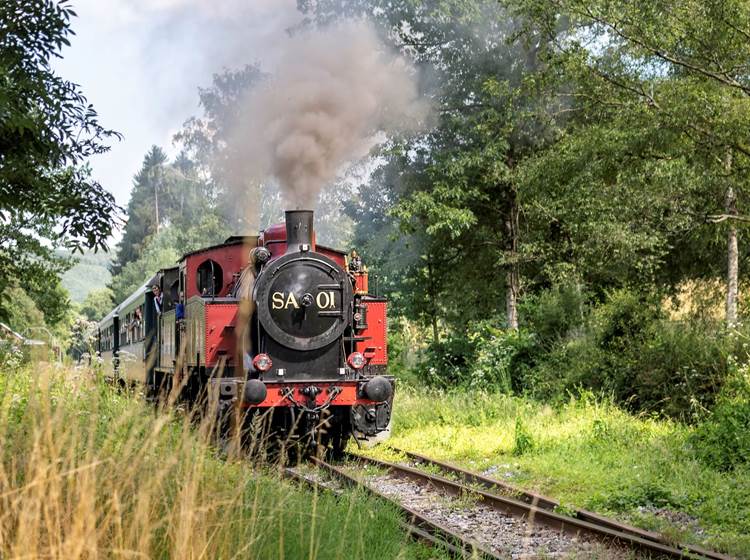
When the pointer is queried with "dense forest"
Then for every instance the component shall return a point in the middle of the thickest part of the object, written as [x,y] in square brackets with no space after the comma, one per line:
[569,219]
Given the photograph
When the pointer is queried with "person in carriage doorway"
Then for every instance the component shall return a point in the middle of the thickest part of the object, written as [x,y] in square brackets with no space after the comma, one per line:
[158,298]
[179,309]
[355,262]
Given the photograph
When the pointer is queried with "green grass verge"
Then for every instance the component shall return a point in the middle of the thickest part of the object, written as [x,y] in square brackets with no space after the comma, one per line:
[587,454]
[87,471]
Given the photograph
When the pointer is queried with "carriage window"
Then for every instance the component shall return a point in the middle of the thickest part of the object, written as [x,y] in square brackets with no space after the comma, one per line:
[210,278]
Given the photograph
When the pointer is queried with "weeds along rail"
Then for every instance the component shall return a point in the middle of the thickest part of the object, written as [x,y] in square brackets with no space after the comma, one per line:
[545,502]
[533,508]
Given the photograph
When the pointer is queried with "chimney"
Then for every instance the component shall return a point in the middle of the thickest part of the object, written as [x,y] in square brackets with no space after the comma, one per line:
[299,231]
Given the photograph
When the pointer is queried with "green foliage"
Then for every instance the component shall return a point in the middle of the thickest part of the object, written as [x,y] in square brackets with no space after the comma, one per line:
[171,211]
[97,304]
[624,347]
[501,359]
[142,210]
[160,252]
[627,348]
[83,338]
[655,139]
[168,195]
[651,493]
[22,311]
[723,439]
[487,357]
[556,313]
[47,132]
[524,442]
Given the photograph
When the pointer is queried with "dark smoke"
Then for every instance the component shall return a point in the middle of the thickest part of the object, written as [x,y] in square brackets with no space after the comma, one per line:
[332,93]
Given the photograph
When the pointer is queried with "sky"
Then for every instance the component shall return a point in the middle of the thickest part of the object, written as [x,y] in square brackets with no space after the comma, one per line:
[141,62]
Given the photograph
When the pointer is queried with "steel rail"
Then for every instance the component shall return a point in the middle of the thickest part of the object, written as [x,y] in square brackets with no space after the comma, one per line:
[417,526]
[519,508]
[545,502]
[414,531]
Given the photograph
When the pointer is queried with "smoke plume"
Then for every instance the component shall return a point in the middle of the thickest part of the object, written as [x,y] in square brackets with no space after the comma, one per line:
[330,94]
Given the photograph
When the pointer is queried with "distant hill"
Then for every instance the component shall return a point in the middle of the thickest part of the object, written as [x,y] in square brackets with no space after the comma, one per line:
[89,273]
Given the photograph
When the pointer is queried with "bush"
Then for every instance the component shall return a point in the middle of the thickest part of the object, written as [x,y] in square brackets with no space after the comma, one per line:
[502,357]
[630,350]
[723,439]
[486,357]
[444,365]
[555,313]
[626,348]
[11,356]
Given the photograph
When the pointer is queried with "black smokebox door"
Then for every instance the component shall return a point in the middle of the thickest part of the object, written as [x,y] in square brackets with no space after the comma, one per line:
[303,300]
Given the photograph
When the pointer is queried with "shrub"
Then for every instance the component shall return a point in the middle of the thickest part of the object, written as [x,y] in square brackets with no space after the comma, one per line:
[501,359]
[723,439]
[679,368]
[630,350]
[444,364]
[626,347]
[555,313]
[11,356]
[486,357]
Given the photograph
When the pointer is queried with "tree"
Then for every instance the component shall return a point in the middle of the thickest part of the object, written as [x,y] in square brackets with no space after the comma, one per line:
[207,142]
[47,132]
[452,190]
[143,208]
[666,86]
[97,304]
[158,253]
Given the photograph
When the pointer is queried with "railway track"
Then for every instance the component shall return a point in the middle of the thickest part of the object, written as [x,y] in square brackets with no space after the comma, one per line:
[547,503]
[531,514]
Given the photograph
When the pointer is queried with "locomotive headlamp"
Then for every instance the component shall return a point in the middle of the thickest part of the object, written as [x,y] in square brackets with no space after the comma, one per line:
[261,254]
[356,360]
[262,362]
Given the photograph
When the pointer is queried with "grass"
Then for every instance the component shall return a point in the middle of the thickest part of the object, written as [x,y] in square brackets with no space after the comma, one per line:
[89,472]
[587,454]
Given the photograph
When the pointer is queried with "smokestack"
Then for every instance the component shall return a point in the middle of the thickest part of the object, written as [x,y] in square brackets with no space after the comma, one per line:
[299,231]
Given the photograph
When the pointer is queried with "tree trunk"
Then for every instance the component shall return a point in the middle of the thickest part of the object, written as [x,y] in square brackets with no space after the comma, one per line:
[732,260]
[512,277]
[433,302]
[732,251]
[511,299]
[156,201]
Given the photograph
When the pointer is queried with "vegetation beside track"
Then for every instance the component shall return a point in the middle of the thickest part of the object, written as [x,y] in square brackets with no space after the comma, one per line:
[587,453]
[87,471]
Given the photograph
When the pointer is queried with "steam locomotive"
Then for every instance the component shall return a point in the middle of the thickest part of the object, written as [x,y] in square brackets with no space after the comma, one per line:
[272,326]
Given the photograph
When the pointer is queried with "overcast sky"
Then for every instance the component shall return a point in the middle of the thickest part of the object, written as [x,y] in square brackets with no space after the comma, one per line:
[140,62]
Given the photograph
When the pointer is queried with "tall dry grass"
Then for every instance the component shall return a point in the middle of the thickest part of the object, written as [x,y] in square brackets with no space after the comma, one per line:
[87,471]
